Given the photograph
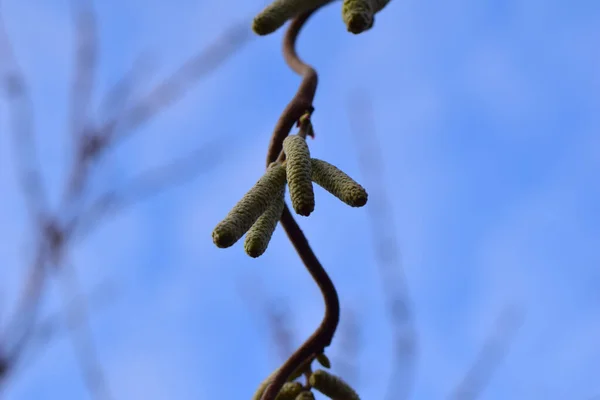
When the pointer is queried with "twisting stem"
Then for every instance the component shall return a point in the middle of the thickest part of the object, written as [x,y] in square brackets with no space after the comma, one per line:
[303,99]
[301,104]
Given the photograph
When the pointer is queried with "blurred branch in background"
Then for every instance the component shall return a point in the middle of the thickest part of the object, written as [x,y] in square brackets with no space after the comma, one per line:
[387,252]
[279,319]
[491,355]
[91,140]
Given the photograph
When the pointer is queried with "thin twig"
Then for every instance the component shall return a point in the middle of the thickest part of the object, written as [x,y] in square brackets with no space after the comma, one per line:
[301,104]
[53,236]
[85,351]
[21,117]
[146,184]
[86,54]
[491,355]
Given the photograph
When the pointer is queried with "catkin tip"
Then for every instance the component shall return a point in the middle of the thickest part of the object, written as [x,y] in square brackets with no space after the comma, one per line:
[360,197]
[359,23]
[223,238]
[263,26]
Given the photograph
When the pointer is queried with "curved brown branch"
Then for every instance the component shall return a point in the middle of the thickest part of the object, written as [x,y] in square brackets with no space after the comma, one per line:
[302,101]
[301,104]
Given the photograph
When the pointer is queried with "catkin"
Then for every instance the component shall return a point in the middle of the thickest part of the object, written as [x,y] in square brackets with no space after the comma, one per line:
[259,235]
[306,395]
[279,11]
[254,203]
[359,15]
[336,182]
[332,386]
[289,391]
[298,170]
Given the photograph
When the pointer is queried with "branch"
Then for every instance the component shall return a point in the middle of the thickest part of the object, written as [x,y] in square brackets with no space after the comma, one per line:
[86,35]
[158,99]
[85,351]
[53,236]
[491,355]
[21,124]
[301,104]
[147,184]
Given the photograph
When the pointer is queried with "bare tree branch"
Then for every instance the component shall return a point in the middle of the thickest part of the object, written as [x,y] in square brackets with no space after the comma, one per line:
[491,355]
[52,235]
[93,374]
[147,184]
[21,119]
[86,54]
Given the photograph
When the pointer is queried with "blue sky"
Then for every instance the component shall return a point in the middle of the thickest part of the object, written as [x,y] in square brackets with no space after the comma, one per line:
[487,114]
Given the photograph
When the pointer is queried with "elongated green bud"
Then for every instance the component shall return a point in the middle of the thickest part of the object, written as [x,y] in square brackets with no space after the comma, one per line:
[250,207]
[306,395]
[324,360]
[278,12]
[336,182]
[289,391]
[259,235]
[359,15]
[332,386]
[298,170]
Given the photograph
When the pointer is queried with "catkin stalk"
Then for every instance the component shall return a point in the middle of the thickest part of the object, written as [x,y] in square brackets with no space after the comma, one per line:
[336,182]
[259,235]
[254,203]
[359,15]
[298,170]
[332,386]
[279,11]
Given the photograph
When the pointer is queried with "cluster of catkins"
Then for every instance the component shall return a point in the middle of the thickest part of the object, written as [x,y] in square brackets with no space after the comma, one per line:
[258,212]
[358,15]
[323,381]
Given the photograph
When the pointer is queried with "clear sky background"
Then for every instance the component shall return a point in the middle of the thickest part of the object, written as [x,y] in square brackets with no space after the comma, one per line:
[488,114]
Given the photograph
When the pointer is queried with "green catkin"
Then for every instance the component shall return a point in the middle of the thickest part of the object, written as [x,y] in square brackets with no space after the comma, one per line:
[298,170]
[259,235]
[289,391]
[306,395]
[336,182]
[254,203]
[332,386]
[359,15]
[279,11]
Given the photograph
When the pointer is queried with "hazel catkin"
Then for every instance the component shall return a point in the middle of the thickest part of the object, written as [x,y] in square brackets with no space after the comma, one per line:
[254,203]
[332,386]
[279,11]
[289,391]
[259,235]
[336,182]
[359,15]
[298,171]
